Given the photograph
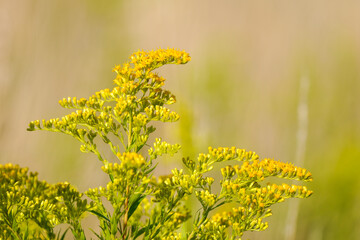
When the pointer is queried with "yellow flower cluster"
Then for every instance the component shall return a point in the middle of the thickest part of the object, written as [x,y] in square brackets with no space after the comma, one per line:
[206,161]
[131,160]
[145,62]
[188,182]
[139,121]
[211,230]
[129,107]
[98,100]
[130,167]
[123,105]
[161,147]
[128,177]
[226,154]
[206,198]
[241,220]
[159,113]
[93,103]
[144,206]
[12,173]
[241,185]
[258,170]
[173,236]
[69,123]
[30,200]
[254,205]
[263,196]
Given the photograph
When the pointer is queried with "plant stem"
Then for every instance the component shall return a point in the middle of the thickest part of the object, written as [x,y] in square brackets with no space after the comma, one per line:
[126,213]
[130,133]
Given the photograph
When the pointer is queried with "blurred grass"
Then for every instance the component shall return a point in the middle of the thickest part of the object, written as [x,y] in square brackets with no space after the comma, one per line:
[241,87]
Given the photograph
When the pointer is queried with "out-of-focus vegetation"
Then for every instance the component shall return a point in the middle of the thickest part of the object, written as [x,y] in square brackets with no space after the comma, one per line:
[242,86]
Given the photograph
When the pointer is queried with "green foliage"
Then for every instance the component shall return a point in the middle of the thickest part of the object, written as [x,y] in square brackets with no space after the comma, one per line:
[143,206]
[30,209]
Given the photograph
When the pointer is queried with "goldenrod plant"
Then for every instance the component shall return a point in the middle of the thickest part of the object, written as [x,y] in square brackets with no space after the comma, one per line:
[135,204]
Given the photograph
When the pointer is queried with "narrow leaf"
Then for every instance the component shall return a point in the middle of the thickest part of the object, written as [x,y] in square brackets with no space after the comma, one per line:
[63,235]
[156,232]
[220,204]
[135,200]
[140,232]
[100,215]
[150,170]
[96,234]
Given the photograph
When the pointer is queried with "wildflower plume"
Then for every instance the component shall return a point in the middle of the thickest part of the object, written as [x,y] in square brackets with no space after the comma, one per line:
[144,206]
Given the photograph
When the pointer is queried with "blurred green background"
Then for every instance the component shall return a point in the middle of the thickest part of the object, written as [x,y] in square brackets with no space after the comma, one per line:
[242,88]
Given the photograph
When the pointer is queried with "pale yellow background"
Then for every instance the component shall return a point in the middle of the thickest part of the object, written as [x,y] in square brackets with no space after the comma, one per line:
[241,87]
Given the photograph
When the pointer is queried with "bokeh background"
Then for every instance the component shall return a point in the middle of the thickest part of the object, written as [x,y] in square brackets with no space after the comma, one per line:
[281,78]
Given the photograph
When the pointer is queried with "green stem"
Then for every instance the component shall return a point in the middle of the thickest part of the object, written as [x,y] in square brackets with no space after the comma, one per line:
[130,133]
[126,207]
[121,137]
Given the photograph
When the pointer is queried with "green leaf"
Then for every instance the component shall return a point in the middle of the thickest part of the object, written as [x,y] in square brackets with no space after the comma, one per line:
[113,228]
[169,216]
[134,228]
[150,129]
[63,235]
[135,200]
[156,232]
[220,204]
[140,232]
[97,234]
[151,169]
[100,215]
